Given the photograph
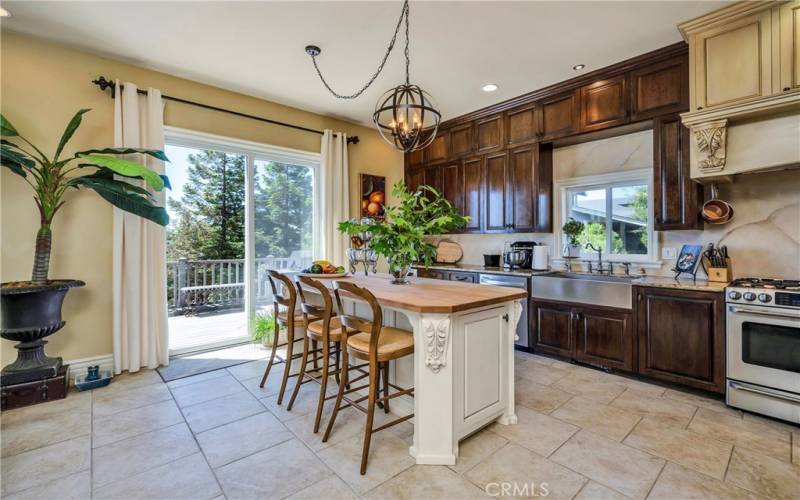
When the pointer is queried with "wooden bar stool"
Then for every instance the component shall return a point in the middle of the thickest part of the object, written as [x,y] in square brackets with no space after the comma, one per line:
[377,344]
[284,294]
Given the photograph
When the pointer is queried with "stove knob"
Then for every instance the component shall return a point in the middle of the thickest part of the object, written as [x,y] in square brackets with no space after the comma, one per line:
[749,296]
[764,297]
[734,295]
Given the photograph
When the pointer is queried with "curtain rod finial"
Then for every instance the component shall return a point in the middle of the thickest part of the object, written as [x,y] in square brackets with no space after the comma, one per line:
[353,140]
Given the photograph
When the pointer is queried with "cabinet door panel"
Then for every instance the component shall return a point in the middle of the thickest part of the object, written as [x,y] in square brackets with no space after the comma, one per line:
[559,115]
[465,277]
[489,133]
[553,324]
[432,177]
[496,176]
[604,104]
[460,140]
[682,337]
[676,198]
[521,126]
[415,158]
[660,88]
[438,150]
[522,189]
[605,338]
[473,194]
[432,274]
[790,46]
[414,179]
[453,185]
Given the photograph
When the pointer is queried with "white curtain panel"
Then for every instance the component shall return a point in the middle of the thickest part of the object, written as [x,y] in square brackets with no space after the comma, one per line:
[335,199]
[139,266]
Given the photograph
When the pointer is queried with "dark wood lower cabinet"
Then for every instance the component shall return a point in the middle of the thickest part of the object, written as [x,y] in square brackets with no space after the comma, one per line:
[432,274]
[554,328]
[682,336]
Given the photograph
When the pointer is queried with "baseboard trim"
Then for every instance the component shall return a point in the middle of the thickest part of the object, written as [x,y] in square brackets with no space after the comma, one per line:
[79,366]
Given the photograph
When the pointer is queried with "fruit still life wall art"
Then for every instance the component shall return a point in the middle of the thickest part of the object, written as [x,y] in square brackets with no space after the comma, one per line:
[373,196]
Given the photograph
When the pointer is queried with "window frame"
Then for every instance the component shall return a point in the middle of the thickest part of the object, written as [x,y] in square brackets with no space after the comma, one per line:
[563,187]
[255,151]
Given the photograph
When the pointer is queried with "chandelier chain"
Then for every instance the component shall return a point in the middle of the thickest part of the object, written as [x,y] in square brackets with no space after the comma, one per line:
[408,59]
[403,15]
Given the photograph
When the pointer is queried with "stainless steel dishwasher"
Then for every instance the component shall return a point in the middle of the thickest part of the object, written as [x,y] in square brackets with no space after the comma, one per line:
[513,282]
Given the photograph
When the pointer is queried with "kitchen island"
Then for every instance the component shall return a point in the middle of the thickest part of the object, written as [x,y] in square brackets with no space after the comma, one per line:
[463,364]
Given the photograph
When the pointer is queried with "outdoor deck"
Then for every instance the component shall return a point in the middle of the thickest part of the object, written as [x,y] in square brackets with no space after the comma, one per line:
[206,329]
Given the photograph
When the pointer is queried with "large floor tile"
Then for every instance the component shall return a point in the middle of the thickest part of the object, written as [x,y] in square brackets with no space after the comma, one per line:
[627,470]
[207,390]
[679,482]
[706,402]
[105,403]
[123,459]
[306,401]
[388,456]
[668,411]
[746,433]
[521,468]
[475,448]
[276,472]
[536,431]
[210,414]
[188,477]
[271,386]
[596,389]
[131,380]
[541,398]
[125,424]
[636,386]
[43,465]
[599,418]
[174,384]
[427,481]
[692,450]
[73,487]
[250,370]
[596,491]
[349,422]
[535,371]
[241,438]
[764,475]
[330,488]
[32,427]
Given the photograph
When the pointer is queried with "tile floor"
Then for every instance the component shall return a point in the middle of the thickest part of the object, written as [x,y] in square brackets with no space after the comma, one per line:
[582,434]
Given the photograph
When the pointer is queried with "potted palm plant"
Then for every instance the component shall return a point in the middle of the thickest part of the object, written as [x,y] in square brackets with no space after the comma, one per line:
[400,236]
[31,310]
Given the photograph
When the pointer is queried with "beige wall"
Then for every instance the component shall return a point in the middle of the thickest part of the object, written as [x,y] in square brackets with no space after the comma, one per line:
[42,86]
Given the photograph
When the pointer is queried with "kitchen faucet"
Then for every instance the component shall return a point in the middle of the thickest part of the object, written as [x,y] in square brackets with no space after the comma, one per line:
[599,251]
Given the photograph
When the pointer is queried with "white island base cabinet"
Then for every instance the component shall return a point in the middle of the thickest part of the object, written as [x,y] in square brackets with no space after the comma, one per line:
[462,371]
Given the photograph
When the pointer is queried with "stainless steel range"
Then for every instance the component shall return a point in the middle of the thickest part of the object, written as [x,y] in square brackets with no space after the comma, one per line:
[763,347]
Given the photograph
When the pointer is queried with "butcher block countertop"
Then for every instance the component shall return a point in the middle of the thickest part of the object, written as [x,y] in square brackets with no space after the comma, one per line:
[425,295]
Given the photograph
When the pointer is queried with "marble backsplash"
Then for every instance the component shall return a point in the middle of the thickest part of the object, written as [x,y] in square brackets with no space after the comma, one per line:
[763,238]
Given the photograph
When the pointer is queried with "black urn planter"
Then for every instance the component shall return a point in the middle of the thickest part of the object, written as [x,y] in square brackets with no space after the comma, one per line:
[29,314]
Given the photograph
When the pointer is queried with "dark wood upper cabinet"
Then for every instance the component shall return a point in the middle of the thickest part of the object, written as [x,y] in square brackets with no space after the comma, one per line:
[438,150]
[521,127]
[676,198]
[473,193]
[415,158]
[496,175]
[460,140]
[452,183]
[521,188]
[660,88]
[605,337]
[604,104]
[682,336]
[489,134]
[414,179]
[559,115]
[432,177]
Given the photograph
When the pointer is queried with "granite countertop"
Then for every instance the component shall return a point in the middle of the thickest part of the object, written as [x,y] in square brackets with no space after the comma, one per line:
[683,284]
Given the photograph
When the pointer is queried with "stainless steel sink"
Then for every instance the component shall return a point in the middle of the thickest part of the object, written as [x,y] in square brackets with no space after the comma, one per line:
[592,289]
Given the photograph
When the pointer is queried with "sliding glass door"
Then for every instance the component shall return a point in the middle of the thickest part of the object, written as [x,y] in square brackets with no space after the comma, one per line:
[237,209]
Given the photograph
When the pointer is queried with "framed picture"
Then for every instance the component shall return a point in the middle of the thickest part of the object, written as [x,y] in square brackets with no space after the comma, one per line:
[373,196]
[688,259]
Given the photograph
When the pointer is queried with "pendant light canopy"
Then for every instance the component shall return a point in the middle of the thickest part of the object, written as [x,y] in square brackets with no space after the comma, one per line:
[406,115]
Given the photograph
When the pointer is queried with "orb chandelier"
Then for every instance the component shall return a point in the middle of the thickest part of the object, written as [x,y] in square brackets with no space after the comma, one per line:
[406,115]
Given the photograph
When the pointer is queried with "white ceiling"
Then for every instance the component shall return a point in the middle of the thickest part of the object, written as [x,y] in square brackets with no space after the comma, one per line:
[256,48]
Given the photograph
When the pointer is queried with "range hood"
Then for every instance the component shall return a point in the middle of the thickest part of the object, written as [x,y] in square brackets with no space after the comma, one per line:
[744,89]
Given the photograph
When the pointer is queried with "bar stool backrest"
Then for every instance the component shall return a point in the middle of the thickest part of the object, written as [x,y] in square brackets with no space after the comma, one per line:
[372,327]
[283,292]
[313,310]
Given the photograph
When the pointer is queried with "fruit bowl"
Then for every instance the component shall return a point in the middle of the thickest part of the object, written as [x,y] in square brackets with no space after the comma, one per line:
[323,269]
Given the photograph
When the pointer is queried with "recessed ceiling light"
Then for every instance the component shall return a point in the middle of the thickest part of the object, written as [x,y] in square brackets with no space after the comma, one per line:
[578,67]
[489,87]
[4,13]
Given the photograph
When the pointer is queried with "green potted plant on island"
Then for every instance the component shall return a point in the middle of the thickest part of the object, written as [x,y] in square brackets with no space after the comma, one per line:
[31,310]
[400,236]
[572,229]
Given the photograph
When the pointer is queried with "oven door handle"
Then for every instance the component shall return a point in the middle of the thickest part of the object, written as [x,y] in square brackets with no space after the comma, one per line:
[763,392]
[763,312]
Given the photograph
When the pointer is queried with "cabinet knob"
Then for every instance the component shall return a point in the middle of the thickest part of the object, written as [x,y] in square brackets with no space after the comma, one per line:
[787,89]
[699,108]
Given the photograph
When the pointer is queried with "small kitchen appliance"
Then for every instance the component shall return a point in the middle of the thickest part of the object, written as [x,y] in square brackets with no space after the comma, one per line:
[763,347]
[541,258]
[519,255]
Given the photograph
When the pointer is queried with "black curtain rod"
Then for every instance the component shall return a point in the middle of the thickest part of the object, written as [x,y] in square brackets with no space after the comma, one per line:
[104,84]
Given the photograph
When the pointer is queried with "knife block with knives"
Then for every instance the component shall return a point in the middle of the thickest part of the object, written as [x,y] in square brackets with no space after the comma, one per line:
[718,264]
